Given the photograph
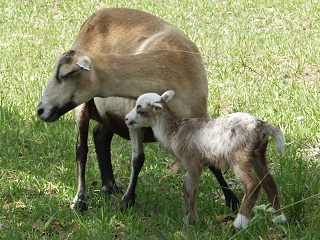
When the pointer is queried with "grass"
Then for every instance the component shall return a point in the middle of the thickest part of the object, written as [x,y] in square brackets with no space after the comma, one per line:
[261,57]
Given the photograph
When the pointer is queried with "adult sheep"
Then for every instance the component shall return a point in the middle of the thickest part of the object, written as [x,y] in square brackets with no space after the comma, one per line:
[118,55]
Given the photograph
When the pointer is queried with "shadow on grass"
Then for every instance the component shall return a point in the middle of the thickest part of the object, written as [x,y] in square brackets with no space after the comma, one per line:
[37,173]
[34,155]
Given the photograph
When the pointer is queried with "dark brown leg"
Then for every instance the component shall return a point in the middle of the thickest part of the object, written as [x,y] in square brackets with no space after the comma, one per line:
[82,119]
[136,136]
[102,141]
[267,182]
[231,199]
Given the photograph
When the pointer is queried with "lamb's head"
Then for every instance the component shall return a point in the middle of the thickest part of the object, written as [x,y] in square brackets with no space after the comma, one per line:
[69,86]
[147,107]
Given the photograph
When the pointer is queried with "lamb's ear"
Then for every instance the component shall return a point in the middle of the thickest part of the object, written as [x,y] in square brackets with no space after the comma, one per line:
[157,107]
[84,62]
[168,95]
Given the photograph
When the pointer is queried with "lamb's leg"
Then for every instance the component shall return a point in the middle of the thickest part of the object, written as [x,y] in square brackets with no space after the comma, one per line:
[136,136]
[252,188]
[231,199]
[102,141]
[82,119]
[269,185]
[190,188]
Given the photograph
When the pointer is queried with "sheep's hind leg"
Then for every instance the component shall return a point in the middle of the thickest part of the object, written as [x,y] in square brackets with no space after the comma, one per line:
[102,141]
[231,199]
[252,188]
[269,185]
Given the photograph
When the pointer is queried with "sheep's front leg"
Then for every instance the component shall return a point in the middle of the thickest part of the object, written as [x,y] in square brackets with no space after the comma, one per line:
[102,141]
[136,136]
[190,188]
[82,119]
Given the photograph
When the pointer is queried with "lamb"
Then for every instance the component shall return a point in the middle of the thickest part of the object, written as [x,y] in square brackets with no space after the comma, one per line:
[238,141]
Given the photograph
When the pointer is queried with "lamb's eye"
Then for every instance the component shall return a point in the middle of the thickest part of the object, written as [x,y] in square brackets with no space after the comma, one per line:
[140,112]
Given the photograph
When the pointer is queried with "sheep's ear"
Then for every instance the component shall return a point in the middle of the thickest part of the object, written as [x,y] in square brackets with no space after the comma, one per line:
[157,107]
[84,62]
[168,95]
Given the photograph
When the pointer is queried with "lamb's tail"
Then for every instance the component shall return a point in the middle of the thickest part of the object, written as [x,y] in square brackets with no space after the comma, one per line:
[277,135]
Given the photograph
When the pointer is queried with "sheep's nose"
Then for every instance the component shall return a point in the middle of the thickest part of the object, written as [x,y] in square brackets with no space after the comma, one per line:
[128,122]
[40,111]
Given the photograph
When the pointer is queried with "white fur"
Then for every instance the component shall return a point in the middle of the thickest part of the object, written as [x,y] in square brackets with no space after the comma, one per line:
[223,142]
[148,99]
[84,62]
[147,42]
[279,219]
[241,221]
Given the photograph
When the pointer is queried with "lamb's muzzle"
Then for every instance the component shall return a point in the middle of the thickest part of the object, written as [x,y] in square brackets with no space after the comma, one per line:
[128,122]
[238,140]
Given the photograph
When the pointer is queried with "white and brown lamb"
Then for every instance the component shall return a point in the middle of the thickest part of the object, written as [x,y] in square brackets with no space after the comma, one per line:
[238,141]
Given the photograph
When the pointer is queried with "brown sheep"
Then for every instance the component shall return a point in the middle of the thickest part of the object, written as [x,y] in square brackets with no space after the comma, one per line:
[118,55]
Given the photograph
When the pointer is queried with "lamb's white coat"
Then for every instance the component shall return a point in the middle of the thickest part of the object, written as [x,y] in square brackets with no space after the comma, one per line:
[227,141]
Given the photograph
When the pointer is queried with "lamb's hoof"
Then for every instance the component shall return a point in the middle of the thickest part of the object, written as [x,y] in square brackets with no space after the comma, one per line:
[127,202]
[79,204]
[279,219]
[241,222]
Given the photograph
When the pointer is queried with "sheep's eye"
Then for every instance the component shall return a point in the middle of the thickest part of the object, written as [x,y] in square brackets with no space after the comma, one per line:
[141,113]
[69,74]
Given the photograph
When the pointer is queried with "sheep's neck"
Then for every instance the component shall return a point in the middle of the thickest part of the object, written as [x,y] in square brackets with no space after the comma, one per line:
[131,75]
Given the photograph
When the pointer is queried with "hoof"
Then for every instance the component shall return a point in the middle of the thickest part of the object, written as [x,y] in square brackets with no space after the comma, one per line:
[111,189]
[279,219]
[241,222]
[190,219]
[79,203]
[127,203]
[233,203]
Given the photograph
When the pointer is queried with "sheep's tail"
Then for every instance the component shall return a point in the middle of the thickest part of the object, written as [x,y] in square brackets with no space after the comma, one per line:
[277,135]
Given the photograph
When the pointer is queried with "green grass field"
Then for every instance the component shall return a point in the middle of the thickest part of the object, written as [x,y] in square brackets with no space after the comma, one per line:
[261,57]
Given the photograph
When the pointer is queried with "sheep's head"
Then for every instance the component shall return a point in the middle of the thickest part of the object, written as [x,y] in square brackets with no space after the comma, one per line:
[69,86]
[146,109]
